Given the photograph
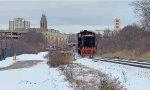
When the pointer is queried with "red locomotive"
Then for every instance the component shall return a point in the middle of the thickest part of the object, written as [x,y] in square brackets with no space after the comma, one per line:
[86,43]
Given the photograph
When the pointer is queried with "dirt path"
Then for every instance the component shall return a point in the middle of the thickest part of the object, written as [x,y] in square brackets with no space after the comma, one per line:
[21,64]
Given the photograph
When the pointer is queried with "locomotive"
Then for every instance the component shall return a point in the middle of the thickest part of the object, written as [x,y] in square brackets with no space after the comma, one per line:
[86,43]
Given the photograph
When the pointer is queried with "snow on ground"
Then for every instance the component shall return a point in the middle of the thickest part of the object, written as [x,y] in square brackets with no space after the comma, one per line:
[38,77]
[133,78]
[24,57]
[41,77]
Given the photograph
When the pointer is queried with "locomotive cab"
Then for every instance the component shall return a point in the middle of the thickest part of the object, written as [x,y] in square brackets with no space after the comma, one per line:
[86,43]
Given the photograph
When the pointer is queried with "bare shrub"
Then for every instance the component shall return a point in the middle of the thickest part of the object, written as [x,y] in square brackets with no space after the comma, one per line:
[57,58]
[84,78]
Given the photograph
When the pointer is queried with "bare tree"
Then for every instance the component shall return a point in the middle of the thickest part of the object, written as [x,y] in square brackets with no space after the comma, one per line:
[98,38]
[72,38]
[131,38]
[31,42]
[142,10]
[107,33]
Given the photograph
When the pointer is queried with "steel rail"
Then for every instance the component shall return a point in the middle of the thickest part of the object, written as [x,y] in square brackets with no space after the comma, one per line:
[135,63]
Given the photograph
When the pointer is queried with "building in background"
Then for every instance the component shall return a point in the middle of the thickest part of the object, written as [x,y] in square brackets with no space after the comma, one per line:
[117,24]
[19,27]
[43,23]
[53,37]
[19,24]
[100,32]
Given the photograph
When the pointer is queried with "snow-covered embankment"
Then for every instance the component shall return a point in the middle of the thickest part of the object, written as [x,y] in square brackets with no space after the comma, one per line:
[133,78]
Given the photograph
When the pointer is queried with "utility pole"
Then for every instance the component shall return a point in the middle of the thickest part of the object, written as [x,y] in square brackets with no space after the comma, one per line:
[1,40]
[1,47]
[46,41]
[6,39]
[74,50]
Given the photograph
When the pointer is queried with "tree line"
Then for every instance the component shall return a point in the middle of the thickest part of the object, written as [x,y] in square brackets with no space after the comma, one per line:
[31,42]
[131,37]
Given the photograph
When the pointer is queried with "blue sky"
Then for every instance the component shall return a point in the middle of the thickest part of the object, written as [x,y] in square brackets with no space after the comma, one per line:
[68,13]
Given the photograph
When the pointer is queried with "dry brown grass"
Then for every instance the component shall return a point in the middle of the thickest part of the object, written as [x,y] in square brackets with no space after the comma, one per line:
[128,55]
[84,78]
[56,58]
[145,56]
[122,54]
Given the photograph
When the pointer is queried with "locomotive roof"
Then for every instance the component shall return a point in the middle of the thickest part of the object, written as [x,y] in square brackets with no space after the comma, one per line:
[86,31]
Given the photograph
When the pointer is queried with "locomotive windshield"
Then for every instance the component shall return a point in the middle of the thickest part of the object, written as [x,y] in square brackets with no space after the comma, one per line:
[89,41]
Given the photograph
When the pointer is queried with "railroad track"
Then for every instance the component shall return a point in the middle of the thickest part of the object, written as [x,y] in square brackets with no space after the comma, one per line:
[135,63]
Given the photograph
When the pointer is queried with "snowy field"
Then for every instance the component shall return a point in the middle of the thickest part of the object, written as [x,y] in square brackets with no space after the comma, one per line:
[38,77]
[133,78]
[41,77]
